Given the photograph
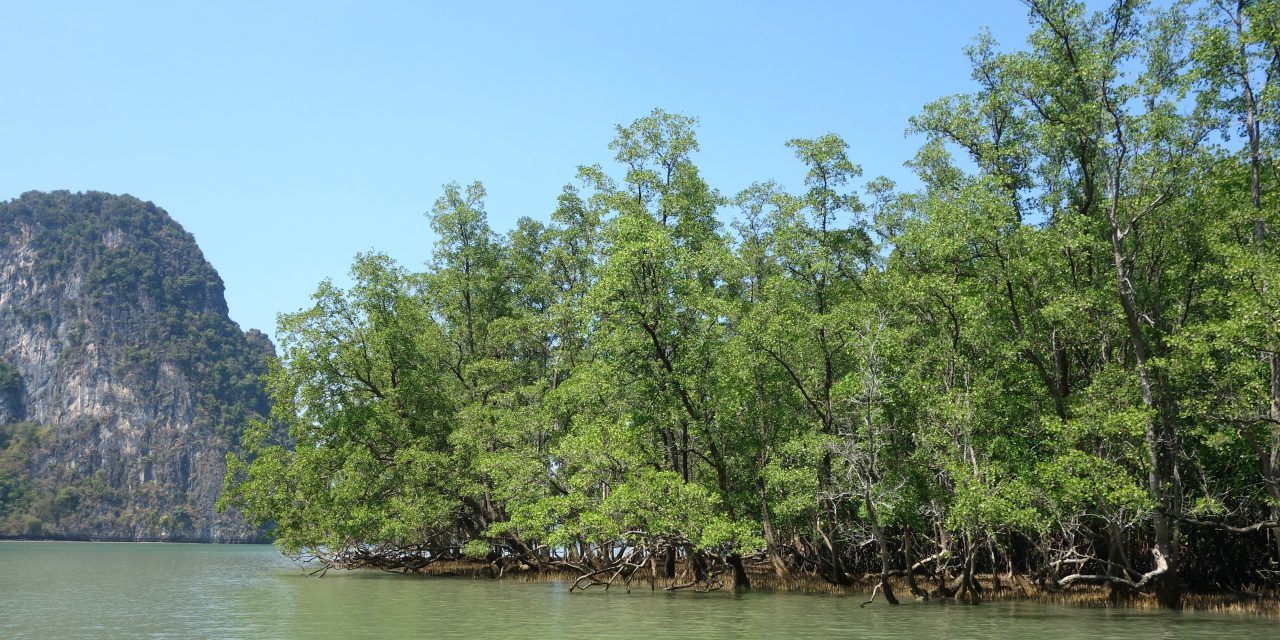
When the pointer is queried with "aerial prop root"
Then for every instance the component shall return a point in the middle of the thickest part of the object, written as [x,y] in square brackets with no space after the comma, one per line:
[1162,565]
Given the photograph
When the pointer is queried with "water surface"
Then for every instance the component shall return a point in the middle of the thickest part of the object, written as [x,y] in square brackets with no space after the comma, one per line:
[71,590]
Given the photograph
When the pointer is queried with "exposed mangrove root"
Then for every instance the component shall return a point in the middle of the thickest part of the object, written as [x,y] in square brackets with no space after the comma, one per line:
[873,595]
[968,568]
[1162,565]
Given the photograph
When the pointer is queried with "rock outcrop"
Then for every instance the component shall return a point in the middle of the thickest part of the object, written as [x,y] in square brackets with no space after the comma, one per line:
[123,382]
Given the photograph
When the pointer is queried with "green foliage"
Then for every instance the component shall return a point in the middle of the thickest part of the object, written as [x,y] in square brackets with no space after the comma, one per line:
[117,282]
[10,379]
[46,505]
[1068,346]
[146,292]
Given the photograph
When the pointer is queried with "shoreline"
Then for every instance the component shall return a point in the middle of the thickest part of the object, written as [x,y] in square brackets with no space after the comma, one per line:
[4,538]
[1001,588]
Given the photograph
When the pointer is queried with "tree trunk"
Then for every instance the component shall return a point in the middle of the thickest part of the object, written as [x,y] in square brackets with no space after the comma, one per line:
[770,541]
[1273,479]
[884,546]
[1163,481]
[697,563]
[1117,564]
[1253,128]
[995,578]
[835,572]
[911,569]
[940,569]
[969,589]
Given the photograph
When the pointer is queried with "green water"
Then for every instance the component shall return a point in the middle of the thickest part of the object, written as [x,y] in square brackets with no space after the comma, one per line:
[67,590]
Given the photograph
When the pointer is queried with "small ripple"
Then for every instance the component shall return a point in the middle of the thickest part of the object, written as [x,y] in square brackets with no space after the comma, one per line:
[84,590]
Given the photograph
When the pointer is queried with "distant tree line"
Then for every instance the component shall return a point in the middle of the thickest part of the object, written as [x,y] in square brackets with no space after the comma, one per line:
[1056,359]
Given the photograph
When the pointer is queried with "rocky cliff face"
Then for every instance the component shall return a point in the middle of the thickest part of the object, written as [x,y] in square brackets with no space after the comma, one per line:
[123,383]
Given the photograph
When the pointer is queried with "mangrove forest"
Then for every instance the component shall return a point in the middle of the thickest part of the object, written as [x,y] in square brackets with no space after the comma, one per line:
[1054,359]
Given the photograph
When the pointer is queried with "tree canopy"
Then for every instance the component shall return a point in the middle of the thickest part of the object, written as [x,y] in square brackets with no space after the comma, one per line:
[1057,357]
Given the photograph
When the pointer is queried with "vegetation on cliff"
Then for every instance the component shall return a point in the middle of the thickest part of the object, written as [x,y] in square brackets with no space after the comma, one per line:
[1057,358]
[126,380]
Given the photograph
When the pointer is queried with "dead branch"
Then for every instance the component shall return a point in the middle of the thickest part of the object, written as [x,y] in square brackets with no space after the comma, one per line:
[872,598]
[1257,526]
[1162,565]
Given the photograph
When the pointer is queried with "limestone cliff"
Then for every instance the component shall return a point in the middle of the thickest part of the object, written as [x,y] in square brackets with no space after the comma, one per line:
[123,383]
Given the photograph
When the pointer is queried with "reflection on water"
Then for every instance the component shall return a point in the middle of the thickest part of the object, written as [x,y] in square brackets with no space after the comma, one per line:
[69,590]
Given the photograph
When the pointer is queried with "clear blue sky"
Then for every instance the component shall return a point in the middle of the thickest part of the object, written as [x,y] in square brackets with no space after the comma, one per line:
[288,137]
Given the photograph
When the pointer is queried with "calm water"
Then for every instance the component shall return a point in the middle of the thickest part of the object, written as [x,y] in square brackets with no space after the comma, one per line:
[66,590]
